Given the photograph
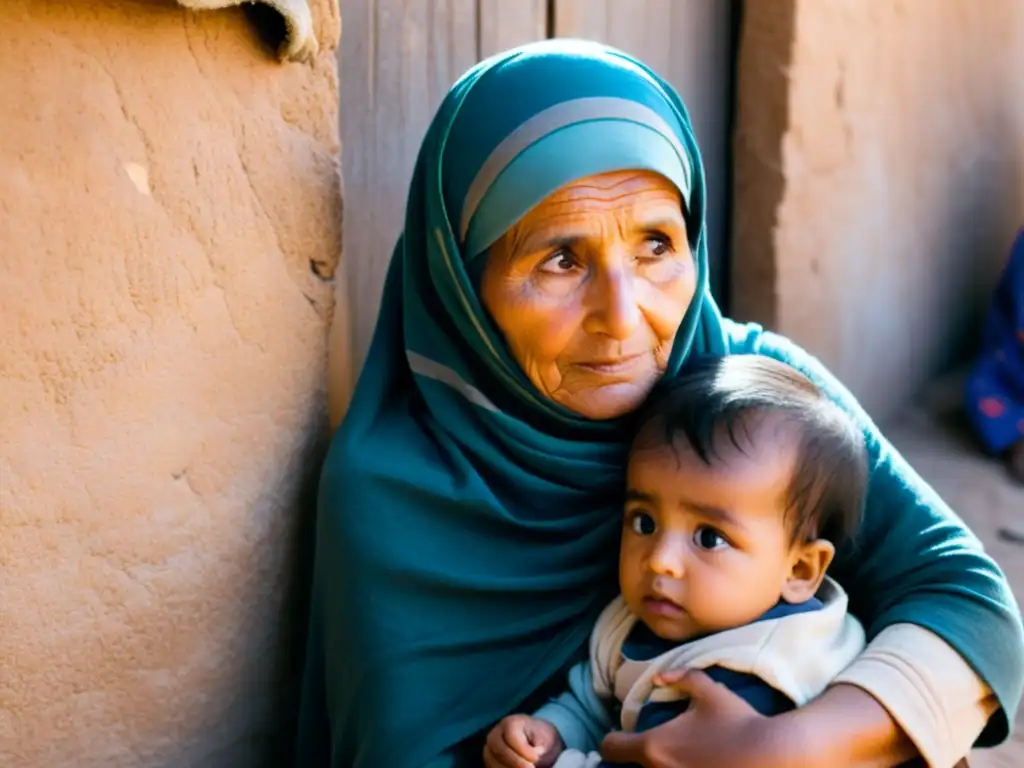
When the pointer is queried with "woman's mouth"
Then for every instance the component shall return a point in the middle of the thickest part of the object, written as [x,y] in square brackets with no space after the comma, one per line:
[612,366]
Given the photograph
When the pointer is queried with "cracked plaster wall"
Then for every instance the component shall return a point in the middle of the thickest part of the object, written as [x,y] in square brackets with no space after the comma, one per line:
[170,220]
[879,179]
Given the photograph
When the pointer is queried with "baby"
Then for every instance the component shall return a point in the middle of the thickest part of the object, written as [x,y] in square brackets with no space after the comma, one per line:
[742,480]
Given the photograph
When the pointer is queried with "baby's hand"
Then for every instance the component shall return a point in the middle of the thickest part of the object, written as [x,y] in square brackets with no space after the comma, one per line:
[520,741]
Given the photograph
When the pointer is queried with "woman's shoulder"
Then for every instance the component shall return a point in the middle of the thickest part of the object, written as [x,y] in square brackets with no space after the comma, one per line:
[753,339]
[371,439]
[742,338]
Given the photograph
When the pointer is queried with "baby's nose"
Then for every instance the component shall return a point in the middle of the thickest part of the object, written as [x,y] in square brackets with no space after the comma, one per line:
[668,558]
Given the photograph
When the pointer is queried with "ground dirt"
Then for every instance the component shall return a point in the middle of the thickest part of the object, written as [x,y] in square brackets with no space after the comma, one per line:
[935,439]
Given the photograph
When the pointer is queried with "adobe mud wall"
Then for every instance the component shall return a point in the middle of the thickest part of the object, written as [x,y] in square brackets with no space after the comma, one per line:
[170,211]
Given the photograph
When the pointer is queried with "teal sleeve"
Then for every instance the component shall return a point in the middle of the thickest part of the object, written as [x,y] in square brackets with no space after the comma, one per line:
[579,714]
[915,561]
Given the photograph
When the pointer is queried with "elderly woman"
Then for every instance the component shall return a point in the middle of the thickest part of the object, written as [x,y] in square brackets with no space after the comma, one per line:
[552,268]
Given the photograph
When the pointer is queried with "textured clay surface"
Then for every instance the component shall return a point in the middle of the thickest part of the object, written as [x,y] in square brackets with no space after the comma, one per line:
[879,179]
[170,220]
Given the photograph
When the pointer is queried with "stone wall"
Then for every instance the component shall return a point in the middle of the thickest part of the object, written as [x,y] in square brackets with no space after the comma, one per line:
[170,221]
[879,179]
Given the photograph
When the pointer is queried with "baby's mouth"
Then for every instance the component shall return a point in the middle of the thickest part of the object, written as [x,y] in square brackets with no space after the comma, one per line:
[659,605]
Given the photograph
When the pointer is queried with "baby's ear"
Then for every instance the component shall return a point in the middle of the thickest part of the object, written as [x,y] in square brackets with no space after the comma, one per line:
[809,563]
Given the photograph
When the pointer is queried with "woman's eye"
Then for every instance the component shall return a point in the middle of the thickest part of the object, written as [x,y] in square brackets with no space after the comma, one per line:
[559,263]
[709,538]
[657,247]
[643,524]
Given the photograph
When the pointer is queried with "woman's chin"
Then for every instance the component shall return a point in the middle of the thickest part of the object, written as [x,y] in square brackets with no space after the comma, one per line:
[610,401]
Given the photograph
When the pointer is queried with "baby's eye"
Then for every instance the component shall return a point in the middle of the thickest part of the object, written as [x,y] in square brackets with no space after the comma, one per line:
[643,524]
[710,539]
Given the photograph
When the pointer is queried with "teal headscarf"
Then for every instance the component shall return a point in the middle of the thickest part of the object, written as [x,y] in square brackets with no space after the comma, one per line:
[468,527]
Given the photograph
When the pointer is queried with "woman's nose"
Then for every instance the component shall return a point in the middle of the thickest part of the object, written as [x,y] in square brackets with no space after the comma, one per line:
[667,558]
[615,309]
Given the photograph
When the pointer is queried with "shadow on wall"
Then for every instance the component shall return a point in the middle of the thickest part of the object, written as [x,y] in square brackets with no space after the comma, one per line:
[940,280]
[269,23]
[879,153]
[972,233]
[290,28]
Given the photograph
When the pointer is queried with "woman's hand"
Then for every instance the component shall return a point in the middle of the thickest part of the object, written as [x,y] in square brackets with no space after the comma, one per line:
[844,726]
[718,730]
[520,741]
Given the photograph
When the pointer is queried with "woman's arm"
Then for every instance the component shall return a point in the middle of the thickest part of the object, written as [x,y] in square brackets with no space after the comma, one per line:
[844,726]
[927,688]
[916,563]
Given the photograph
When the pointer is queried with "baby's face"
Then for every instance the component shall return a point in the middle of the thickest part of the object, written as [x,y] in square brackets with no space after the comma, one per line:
[706,548]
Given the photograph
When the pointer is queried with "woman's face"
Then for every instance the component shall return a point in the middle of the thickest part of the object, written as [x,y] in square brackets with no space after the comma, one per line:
[589,288]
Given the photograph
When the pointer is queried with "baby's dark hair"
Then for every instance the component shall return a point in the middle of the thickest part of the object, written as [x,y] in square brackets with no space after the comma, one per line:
[715,398]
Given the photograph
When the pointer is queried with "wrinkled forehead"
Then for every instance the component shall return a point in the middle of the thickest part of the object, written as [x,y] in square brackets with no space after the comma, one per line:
[548,115]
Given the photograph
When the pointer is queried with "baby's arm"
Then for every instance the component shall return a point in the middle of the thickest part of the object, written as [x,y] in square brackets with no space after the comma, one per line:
[580,715]
[577,719]
[521,740]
